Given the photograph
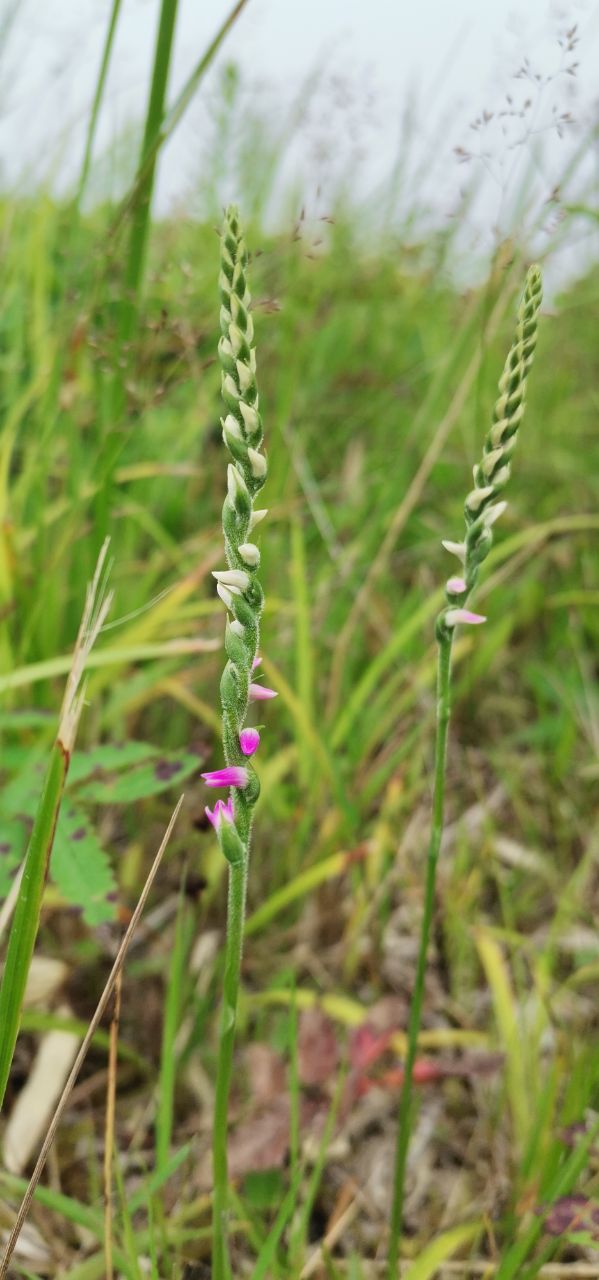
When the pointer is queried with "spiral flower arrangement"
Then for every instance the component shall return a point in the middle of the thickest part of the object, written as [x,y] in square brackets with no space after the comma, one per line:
[240,591]
[238,585]
[492,473]
[481,510]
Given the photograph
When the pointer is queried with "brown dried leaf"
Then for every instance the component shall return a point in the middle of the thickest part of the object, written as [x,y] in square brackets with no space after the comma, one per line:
[266,1072]
[317,1048]
[261,1142]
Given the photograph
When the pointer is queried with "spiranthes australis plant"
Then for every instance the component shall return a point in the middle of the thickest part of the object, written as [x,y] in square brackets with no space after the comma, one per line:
[239,589]
[481,510]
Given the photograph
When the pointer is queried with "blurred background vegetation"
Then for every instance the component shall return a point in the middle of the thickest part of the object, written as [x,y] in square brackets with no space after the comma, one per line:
[378,363]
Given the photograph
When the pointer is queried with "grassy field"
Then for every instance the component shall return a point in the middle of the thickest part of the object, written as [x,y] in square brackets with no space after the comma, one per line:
[377,380]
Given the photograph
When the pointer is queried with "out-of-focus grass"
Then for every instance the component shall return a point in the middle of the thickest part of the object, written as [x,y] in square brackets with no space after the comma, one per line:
[371,363]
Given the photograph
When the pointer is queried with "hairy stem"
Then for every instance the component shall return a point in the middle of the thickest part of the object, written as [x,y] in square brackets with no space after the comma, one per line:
[405,1105]
[221,1267]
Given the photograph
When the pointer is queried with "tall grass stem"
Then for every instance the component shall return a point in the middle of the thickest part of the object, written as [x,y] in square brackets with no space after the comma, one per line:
[97,102]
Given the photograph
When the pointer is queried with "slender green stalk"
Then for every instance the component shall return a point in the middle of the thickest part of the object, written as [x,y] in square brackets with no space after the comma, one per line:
[97,102]
[27,913]
[405,1106]
[234,945]
[480,512]
[240,590]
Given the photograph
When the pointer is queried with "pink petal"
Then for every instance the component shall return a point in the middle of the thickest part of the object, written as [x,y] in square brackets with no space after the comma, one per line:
[249,741]
[232,776]
[256,662]
[260,693]
[454,616]
[456,586]
[223,812]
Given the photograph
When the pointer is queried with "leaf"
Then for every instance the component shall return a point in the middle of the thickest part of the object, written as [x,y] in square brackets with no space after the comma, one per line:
[439,1250]
[150,779]
[13,843]
[109,757]
[263,1189]
[80,867]
[22,793]
[506,1015]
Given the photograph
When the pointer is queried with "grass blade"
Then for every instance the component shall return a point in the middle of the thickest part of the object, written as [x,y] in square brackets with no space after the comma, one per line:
[27,913]
[97,102]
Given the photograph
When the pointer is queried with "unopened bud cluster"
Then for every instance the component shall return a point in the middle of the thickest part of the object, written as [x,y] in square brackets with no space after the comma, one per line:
[238,585]
[492,473]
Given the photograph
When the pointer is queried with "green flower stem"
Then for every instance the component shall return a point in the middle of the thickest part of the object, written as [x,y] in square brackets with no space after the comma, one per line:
[221,1267]
[445,644]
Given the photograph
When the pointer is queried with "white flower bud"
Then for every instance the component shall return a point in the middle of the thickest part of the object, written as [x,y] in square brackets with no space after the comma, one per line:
[244,374]
[236,338]
[231,427]
[236,485]
[235,579]
[225,348]
[455,549]
[250,417]
[490,460]
[250,553]
[236,627]
[257,462]
[229,388]
[477,496]
[502,476]
[256,517]
[225,595]
[492,513]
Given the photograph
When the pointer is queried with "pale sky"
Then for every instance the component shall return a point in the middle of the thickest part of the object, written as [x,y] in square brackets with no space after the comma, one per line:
[451,59]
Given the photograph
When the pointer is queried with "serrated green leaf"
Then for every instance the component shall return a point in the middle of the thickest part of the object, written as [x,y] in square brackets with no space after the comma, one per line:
[109,758]
[80,867]
[22,793]
[159,774]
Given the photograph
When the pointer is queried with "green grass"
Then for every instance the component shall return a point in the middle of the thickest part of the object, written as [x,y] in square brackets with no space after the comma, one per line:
[374,369]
